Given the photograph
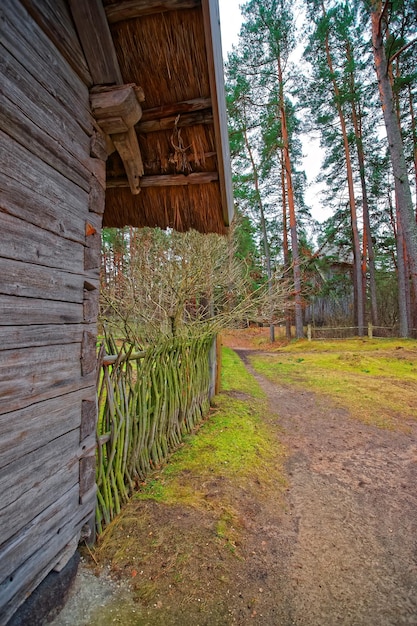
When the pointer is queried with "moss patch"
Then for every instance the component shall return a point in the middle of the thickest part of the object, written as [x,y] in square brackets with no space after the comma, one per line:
[375,379]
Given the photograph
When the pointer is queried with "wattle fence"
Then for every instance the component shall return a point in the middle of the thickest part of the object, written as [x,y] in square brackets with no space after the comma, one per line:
[147,401]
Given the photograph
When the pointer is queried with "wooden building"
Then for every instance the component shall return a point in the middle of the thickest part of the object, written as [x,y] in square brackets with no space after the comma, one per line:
[111,112]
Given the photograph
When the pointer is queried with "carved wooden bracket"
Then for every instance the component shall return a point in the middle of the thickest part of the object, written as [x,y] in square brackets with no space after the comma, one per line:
[117,109]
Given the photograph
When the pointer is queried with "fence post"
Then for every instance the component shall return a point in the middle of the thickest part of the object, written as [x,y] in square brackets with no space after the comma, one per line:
[370,330]
[309,332]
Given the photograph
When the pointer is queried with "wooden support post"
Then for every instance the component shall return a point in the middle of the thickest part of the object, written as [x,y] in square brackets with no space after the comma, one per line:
[218,364]
[309,332]
[370,330]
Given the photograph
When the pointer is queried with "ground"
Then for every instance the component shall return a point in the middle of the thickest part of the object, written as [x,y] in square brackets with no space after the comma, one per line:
[332,542]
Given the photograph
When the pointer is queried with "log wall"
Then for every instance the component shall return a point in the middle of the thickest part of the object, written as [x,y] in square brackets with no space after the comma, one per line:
[51,203]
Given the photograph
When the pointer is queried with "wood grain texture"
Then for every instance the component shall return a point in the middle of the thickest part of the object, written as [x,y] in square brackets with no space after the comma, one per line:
[88,418]
[96,41]
[36,533]
[28,429]
[88,353]
[130,9]
[41,59]
[38,120]
[33,478]
[36,192]
[168,180]
[36,281]
[14,589]
[177,108]
[55,20]
[18,311]
[211,18]
[40,373]
[32,244]
[14,337]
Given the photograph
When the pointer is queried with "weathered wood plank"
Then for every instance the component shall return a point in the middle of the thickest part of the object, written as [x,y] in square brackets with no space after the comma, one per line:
[54,19]
[177,108]
[40,57]
[88,353]
[88,418]
[34,191]
[130,9]
[16,311]
[36,374]
[91,306]
[29,479]
[127,146]
[96,40]
[14,337]
[27,242]
[168,123]
[87,474]
[28,429]
[175,180]
[211,18]
[37,532]
[15,589]
[36,281]
[47,145]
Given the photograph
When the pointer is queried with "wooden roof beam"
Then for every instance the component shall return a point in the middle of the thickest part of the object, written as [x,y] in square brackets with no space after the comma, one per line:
[168,123]
[176,108]
[96,41]
[173,180]
[131,9]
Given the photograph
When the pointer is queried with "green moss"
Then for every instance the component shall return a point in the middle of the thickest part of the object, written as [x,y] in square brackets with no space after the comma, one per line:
[235,376]
[234,444]
[378,383]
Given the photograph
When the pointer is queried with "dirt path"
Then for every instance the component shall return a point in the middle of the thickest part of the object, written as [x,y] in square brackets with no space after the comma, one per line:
[352,501]
[340,550]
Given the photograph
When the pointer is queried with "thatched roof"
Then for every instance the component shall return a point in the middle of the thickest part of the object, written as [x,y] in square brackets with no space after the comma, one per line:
[171,49]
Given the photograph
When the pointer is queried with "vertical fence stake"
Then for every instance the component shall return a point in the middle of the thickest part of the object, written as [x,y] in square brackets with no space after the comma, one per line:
[309,332]
[370,330]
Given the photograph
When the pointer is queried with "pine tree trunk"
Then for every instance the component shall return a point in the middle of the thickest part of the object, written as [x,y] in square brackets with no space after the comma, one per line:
[396,149]
[357,265]
[285,241]
[264,231]
[299,329]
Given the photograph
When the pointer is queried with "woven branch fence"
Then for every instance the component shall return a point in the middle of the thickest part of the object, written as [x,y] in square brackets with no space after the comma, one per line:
[147,402]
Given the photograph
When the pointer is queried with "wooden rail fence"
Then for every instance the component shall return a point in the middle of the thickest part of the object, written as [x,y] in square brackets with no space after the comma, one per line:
[147,401]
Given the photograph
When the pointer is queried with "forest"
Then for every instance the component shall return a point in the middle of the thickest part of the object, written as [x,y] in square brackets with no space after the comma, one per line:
[345,74]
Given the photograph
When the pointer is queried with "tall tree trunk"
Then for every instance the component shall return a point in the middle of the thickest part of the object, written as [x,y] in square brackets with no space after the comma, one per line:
[368,247]
[414,135]
[396,149]
[357,265]
[299,329]
[401,270]
[285,241]
[263,227]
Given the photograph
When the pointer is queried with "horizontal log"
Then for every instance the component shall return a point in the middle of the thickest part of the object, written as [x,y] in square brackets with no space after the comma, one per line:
[110,359]
[32,244]
[14,336]
[168,123]
[175,180]
[130,9]
[37,374]
[41,122]
[177,108]
[17,311]
[16,588]
[37,532]
[36,281]
[55,20]
[29,429]
[37,53]
[30,473]
[39,194]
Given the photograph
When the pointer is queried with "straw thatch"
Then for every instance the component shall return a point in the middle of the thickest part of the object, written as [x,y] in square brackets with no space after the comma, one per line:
[165,53]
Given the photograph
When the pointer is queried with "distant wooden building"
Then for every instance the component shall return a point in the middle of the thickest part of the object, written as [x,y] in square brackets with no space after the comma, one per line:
[111,112]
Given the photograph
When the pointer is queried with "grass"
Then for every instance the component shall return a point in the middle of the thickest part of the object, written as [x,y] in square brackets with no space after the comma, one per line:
[375,379]
[234,444]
